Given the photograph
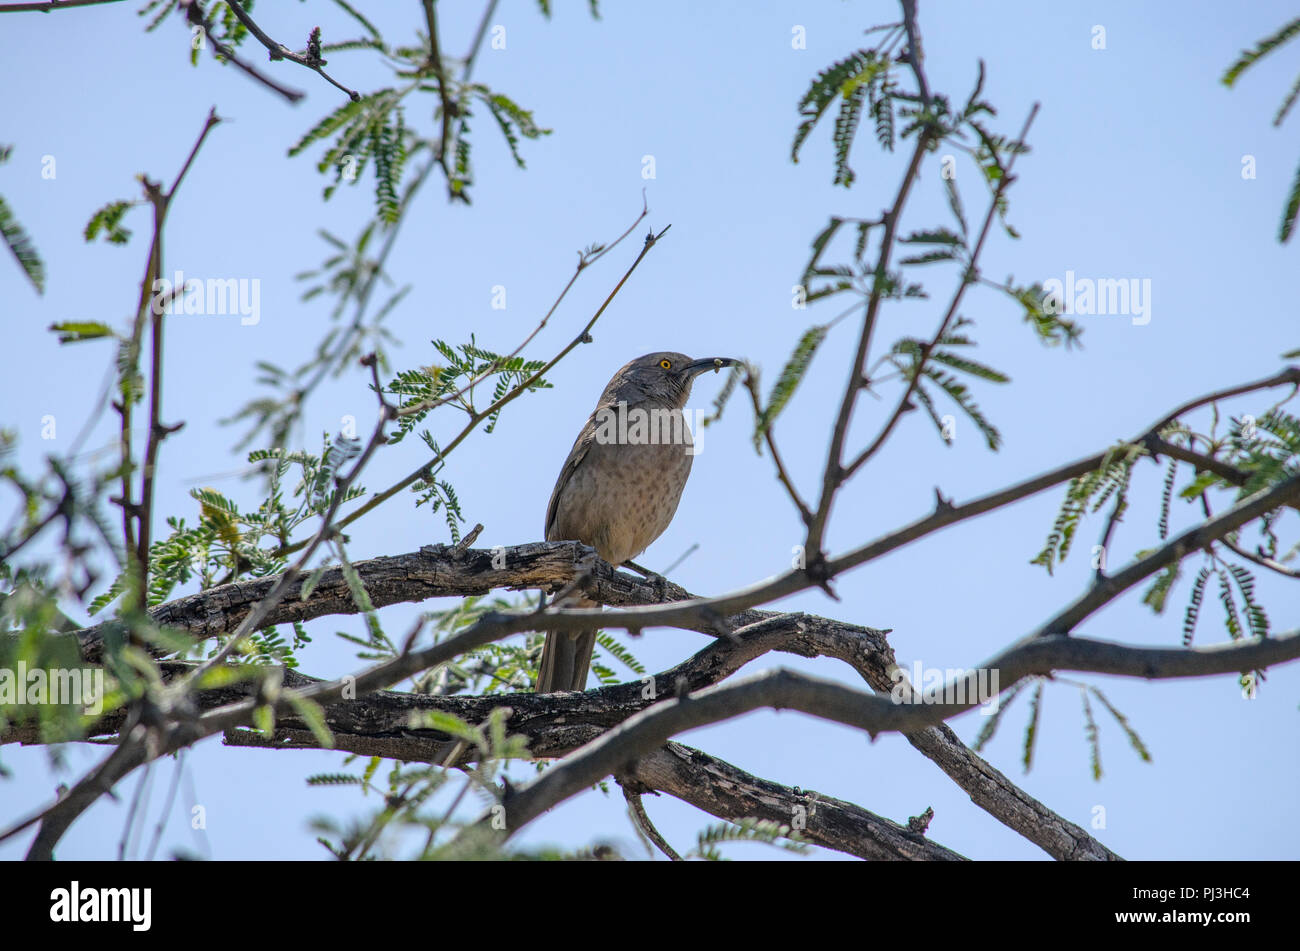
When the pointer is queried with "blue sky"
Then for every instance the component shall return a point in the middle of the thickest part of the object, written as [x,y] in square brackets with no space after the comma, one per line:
[1135,173]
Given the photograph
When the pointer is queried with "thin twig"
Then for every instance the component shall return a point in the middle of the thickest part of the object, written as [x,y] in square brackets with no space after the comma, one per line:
[195,16]
[280,51]
[1262,560]
[751,384]
[583,336]
[637,810]
[965,281]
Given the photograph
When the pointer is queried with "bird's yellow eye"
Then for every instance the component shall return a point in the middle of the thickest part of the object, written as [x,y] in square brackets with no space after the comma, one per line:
[666,364]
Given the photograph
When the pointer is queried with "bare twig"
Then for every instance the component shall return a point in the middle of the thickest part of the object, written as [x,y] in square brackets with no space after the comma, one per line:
[157,432]
[1262,560]
[280,51]
[636,808]
[194,15]
[751,384]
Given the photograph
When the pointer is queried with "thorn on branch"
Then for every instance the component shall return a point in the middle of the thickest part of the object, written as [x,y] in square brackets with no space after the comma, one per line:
[469,539]
[942,505]
[817,571]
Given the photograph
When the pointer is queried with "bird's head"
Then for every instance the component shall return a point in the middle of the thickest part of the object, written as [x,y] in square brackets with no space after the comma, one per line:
[664,377]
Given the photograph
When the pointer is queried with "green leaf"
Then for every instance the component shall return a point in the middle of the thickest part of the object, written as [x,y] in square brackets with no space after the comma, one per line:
[851,72]
[1090,731]
[615,649]
[745,830]
[1134,740]
[109,221]
[1265,46]
[846,128]
[1288,102]
[447,723]
[334,779]
[960,394]
[1158,594]
[264,720]
[791,375]
[930,257]
[1166,498]
[819,243]
[311,713]
[967,365]
[511,117]
[1194,606]
[1256,619]
[20,245]
[75,331]
[992,722]
[1031,728]
[342,115]
[933,236]
[1231,619]
[1291,210]
[356,15]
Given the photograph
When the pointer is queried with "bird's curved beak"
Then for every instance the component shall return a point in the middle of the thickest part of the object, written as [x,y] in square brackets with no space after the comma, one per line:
[696,367]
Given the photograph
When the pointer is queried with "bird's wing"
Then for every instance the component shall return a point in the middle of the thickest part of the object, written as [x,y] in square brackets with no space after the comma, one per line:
[581,446]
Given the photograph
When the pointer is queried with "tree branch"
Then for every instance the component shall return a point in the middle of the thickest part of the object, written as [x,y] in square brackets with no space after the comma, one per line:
[786,690]
[280,51]
[194,15]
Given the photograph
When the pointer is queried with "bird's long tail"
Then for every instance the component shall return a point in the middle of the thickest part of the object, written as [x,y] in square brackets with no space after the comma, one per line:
[566,656]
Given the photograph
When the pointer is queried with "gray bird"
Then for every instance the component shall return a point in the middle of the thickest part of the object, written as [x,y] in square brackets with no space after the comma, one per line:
[619,488]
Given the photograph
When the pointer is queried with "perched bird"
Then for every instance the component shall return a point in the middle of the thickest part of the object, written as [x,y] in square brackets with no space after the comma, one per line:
[619,488]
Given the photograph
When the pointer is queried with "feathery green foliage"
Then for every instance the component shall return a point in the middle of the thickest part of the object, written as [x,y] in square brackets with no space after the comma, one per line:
[744,830]
[792,375]
[1134,740]
[848,79]
[912,356]
[108,221]
[1031,727]
[1092,735]
[17,239]
[989,728]
[1247,59]
[1088,491]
